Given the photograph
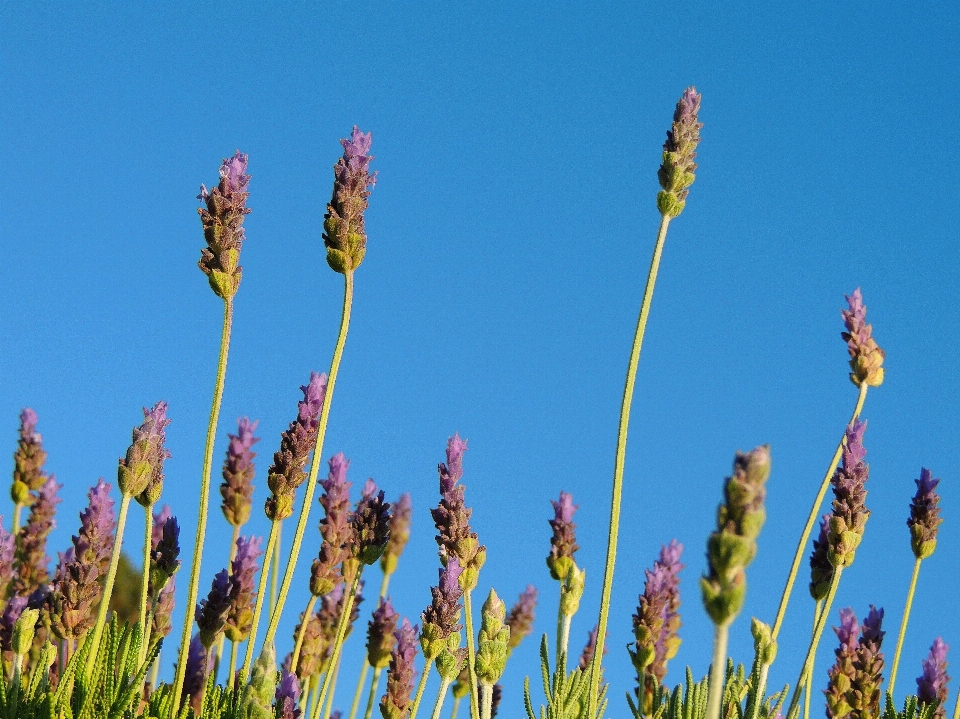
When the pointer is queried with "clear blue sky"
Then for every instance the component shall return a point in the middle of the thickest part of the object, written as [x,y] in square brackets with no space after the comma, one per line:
[509,236]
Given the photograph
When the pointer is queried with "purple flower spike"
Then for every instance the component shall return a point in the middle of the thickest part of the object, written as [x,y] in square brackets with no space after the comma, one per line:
[866,358]
[455,449]
[211,613]
[396,702]
[520,617]
[821,571]
[371,526]
[344,234]
[286,473]
[243,590]
[30,555]
[140,473]
[399,533]
[165,552]
[335,528]
[441,618]
[6,558]
[198,666]
[287,695]
[162,622]
[369,489]
[924,518]
[676,173]
[452,518]
[11,614]
[563,543]
[854,687]
[238,471]
[222,220]
[850,513]
[28,460]
[932,684]
[380,634]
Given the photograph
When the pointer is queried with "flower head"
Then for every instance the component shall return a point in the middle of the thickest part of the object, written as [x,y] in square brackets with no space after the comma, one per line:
[380,634]
[676,173]
[30,555]
[821,571]
[140,473]
[850,513]
[335,528]
[371,525]
[563,543]
[521,615]
[492,641]
[399,533]
[924,515]
[287,695]
[198,666]
[162,620]
[28,460]
[222,219]
[932,683]
[243,589]
[866,357]
[441,618]
[855,678]
[343,229]
[400,677]
[296,443]
[238,471]
[211,613]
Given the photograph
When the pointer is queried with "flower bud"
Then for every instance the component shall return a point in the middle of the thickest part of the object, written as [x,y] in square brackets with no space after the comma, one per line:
[493,640]
[23,631]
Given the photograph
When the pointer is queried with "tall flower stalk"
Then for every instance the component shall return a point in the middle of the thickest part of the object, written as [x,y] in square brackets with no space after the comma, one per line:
[28,460]
[676,174]
[346,240]
[222,220]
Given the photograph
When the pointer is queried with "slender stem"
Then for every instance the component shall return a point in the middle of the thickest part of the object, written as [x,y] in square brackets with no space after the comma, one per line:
[486,695]
[372,696]
[298,645]
[276,567]
[333,689]
[815,641]
[384,583]
[194,587]
[456,708]
[317,457]
[812,519]
[718,671]
[17,508]
[441,697]
[560,624]
[903,626]
[338,642]
[258,607]
[808,690]
[420,687]
[593,693]
[148,631]
[471,654]
[145,579]
[93,656]
[155,672]
[231,677]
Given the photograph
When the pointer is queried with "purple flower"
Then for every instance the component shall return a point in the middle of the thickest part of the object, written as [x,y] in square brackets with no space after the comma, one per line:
[243,590]
[6,558]
[821,571]
[924,515]
[211,613]
[399,533]
[441,618]
[238,471]
[198,666]
[296,443]
[520,617]
[452,518]
[28,460]
[140,473]
[371,525]
[344,234]
[380,634]
[855,678]
[161,622]
[850,512]
[30,555]
[222,220]
[866,358]
[400,677]
[165,552]
[676,173]
[932,683]
[287,695]
[335,528]
[313,649]
[563,543]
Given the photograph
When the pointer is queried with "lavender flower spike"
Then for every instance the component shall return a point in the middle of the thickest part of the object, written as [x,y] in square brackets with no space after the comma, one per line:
[924,515]
[140,473]
[399,533]
[676,174]
[30,556]
[853,691]
[563,543]
[238,471]
[520,617]
[287,696]
[343,230]
[296,443]
[850,513]
[442,617]
[335,528]
[396,702]
[866,358]
[243,588]
[932,684]
[371,525]
[6,558]
[222,219]
[165,552]
[28,475]
[380,634]
[198,665]
[211,613]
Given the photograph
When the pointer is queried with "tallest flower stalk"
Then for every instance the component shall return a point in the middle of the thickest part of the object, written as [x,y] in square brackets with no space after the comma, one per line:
[222,220]
[676,174]
[345,238]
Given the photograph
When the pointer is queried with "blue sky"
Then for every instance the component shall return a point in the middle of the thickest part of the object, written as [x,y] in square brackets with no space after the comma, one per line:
[509,236]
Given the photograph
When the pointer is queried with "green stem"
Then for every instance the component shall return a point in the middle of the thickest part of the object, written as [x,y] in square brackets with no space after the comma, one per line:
[903,625]
[145,579]
[456,708]
[155,672]
[275,566]
[718,671]
[420,687]
[486,694]
[17,508]
[233,555]
[471,654]
[333,689]
[317,457]
[231,677]
[93,656]
[815,641]
[194,587]
[812,518]
[593,693]
[298,645]
[258,607]
[338,642]
[372,696]
[808,690]
[384,583]
[441,697]
[563,639]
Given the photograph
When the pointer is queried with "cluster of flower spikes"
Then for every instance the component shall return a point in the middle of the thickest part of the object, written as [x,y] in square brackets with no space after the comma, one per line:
[849,517]
[440,635]
[932,683]
[380,634]
[396,702]
[676,173]
[28,460]
[296,443]
[925,517]
[30,556]
[222,219]
[452,518]
[140,472]
[733,545]
[335,528]
[78,586]
[238,472]
[343,226]
[656,624]
[853,691]
[866,357]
